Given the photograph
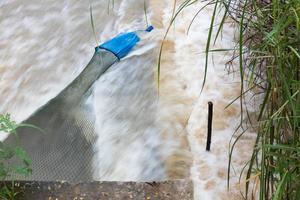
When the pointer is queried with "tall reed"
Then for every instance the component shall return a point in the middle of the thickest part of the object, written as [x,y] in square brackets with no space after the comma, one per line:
[269,61]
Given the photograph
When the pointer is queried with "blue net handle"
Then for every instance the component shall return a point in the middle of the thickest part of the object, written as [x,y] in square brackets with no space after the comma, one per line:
[123,43]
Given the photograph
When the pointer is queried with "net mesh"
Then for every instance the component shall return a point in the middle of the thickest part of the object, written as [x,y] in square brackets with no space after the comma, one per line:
[64,151]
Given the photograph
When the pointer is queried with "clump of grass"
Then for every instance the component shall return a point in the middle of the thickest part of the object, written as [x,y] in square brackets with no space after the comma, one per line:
[14,160]
[269,60]
[8,153]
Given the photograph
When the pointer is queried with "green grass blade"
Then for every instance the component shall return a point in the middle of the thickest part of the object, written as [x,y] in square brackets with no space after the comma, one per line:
[92,23]
[208,41]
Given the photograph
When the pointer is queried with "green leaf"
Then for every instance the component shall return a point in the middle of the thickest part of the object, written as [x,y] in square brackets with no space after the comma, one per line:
[6,154]
[3,171]
[6,124]
[22,170]
[22,155]
[279,189]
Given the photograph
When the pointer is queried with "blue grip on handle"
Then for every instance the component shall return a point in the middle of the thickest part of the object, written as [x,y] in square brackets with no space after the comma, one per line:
[122,44]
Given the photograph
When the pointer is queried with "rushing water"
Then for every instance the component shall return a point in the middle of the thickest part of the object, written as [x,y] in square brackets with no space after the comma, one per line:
[45,44]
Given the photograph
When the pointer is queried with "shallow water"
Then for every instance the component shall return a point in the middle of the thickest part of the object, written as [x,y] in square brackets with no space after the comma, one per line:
[45,45]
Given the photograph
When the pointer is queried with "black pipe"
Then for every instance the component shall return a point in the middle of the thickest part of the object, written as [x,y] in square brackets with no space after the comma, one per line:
[209,125]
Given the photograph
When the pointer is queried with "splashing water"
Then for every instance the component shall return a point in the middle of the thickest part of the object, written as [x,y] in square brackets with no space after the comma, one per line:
[45,45]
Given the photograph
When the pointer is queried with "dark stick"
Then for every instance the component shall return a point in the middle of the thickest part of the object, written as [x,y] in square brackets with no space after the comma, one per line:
[209,125]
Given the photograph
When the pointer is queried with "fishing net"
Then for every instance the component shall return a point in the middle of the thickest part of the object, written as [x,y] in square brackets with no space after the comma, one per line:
[63,150]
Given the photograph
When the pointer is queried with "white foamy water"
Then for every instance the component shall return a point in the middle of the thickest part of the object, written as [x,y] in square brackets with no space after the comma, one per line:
[44,45]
